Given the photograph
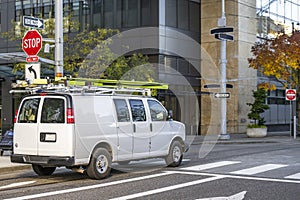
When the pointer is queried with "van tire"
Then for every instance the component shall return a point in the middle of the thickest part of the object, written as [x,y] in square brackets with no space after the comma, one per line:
[43,171]
[100,164]
[175,155]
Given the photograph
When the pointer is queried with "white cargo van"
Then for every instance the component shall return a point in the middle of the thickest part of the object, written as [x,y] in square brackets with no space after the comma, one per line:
[90,130]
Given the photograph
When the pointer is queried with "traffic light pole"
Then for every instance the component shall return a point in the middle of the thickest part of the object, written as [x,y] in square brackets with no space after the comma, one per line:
[223,125]
[59,40]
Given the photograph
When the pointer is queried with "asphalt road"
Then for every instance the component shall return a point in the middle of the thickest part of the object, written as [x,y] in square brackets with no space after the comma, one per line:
[232,171]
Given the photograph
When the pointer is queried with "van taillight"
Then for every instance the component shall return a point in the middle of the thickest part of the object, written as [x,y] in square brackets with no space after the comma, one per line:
[16,115]
[70,116]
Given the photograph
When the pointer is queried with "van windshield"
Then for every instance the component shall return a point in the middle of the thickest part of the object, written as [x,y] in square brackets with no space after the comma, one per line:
[29,110]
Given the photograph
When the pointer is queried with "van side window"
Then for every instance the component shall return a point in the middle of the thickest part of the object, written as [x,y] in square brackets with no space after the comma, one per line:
[53,111]
[157,111]
[122,110]
[137,110]
[29,110]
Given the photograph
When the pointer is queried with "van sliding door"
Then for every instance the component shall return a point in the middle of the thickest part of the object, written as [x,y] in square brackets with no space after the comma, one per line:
[141,129]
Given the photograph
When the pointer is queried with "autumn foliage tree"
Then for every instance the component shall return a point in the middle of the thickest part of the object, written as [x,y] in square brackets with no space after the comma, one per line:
[279,58]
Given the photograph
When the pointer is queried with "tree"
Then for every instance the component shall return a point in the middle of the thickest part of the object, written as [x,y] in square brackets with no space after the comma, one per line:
[79,46]
[279,58]
[258,107]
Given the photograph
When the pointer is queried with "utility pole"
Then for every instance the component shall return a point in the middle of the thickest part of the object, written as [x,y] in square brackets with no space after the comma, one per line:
[223,122]
[59,39]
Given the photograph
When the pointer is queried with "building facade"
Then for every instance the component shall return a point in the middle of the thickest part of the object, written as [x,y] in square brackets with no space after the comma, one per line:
[183,67]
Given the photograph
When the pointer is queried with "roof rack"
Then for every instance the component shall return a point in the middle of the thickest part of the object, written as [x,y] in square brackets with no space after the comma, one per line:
[86,85]
[83,90]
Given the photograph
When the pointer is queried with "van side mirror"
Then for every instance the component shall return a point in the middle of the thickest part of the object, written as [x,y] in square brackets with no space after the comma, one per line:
[170,115]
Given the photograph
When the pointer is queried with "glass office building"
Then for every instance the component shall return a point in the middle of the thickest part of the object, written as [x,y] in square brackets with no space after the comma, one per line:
[182,16]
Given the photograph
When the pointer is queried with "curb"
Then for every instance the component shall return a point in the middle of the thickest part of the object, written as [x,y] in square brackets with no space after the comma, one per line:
[15,168]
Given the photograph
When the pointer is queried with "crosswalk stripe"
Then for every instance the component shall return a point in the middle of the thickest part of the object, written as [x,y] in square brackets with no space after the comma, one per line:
[210,165]
[294,176]
[258,169]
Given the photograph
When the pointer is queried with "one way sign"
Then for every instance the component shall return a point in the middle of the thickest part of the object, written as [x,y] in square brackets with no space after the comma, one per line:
[222,95]
[32,71]
[33,22]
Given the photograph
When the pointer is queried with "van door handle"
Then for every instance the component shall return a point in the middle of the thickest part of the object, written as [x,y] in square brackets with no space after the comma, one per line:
[134,128]
[151,127]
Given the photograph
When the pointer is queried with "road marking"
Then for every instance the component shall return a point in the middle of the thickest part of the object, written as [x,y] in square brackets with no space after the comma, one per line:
[46,194]
[238,196]
[258,169]
[165,189]
[294,176]
[210,165]
[239,177]
[17,184]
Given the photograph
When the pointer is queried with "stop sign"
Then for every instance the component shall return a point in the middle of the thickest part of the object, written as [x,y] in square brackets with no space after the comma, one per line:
[290,94]
[32,43]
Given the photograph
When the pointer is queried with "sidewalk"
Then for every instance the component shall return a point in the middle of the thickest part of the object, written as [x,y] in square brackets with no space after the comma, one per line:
[276,137]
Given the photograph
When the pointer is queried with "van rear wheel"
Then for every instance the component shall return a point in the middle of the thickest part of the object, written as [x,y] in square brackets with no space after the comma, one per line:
[175,155]
[43,171]
[100,164]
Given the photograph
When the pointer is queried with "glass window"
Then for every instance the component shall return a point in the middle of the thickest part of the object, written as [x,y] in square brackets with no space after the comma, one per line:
[108,13]
[130,13]
[146,14]
[29,111]
[53,111]
[194,16]
[97,13]
[122,110]
[157,111]
[137,110]
[183,14]
[171,13]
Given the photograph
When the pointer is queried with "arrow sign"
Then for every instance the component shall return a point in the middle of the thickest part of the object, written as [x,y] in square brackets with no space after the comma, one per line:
[32,71]
[221,30]
[222,95]
[33,22]
[223,36]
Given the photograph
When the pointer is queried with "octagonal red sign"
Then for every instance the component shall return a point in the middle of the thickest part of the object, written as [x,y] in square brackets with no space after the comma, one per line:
[32,43]
[290,94]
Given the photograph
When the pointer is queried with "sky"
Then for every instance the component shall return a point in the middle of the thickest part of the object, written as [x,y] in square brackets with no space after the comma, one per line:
[284,11]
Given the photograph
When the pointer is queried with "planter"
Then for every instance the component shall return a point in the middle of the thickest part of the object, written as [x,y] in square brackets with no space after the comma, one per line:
[257,132]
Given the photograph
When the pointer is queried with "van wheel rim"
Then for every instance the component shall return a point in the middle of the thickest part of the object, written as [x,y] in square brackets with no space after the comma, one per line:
[102,164]
[176,154]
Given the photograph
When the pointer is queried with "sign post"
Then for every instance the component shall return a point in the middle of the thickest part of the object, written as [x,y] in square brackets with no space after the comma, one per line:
[32,44]
[291,95]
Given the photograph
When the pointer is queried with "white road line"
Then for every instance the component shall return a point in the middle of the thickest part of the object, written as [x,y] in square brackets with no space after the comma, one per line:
[46,194]
[17,184]
[239,177]
[210,165]
[165,189]
[258,169]
[294,176]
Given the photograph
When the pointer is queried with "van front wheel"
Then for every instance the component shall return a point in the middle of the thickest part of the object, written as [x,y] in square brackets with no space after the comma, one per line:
[175,155]
[100,164]
[43,171]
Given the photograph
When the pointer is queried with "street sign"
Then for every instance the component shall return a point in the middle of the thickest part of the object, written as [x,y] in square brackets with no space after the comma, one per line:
[290,95]
[221,30]
[223,36]
[33,22]
[222,95]
[32,43]
[32,71]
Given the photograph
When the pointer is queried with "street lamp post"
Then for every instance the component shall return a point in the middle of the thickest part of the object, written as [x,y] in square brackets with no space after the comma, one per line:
[59,40]
[223,125]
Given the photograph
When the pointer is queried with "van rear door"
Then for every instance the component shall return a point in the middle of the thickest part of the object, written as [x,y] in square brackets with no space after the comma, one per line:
[26,127]
[55,133]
